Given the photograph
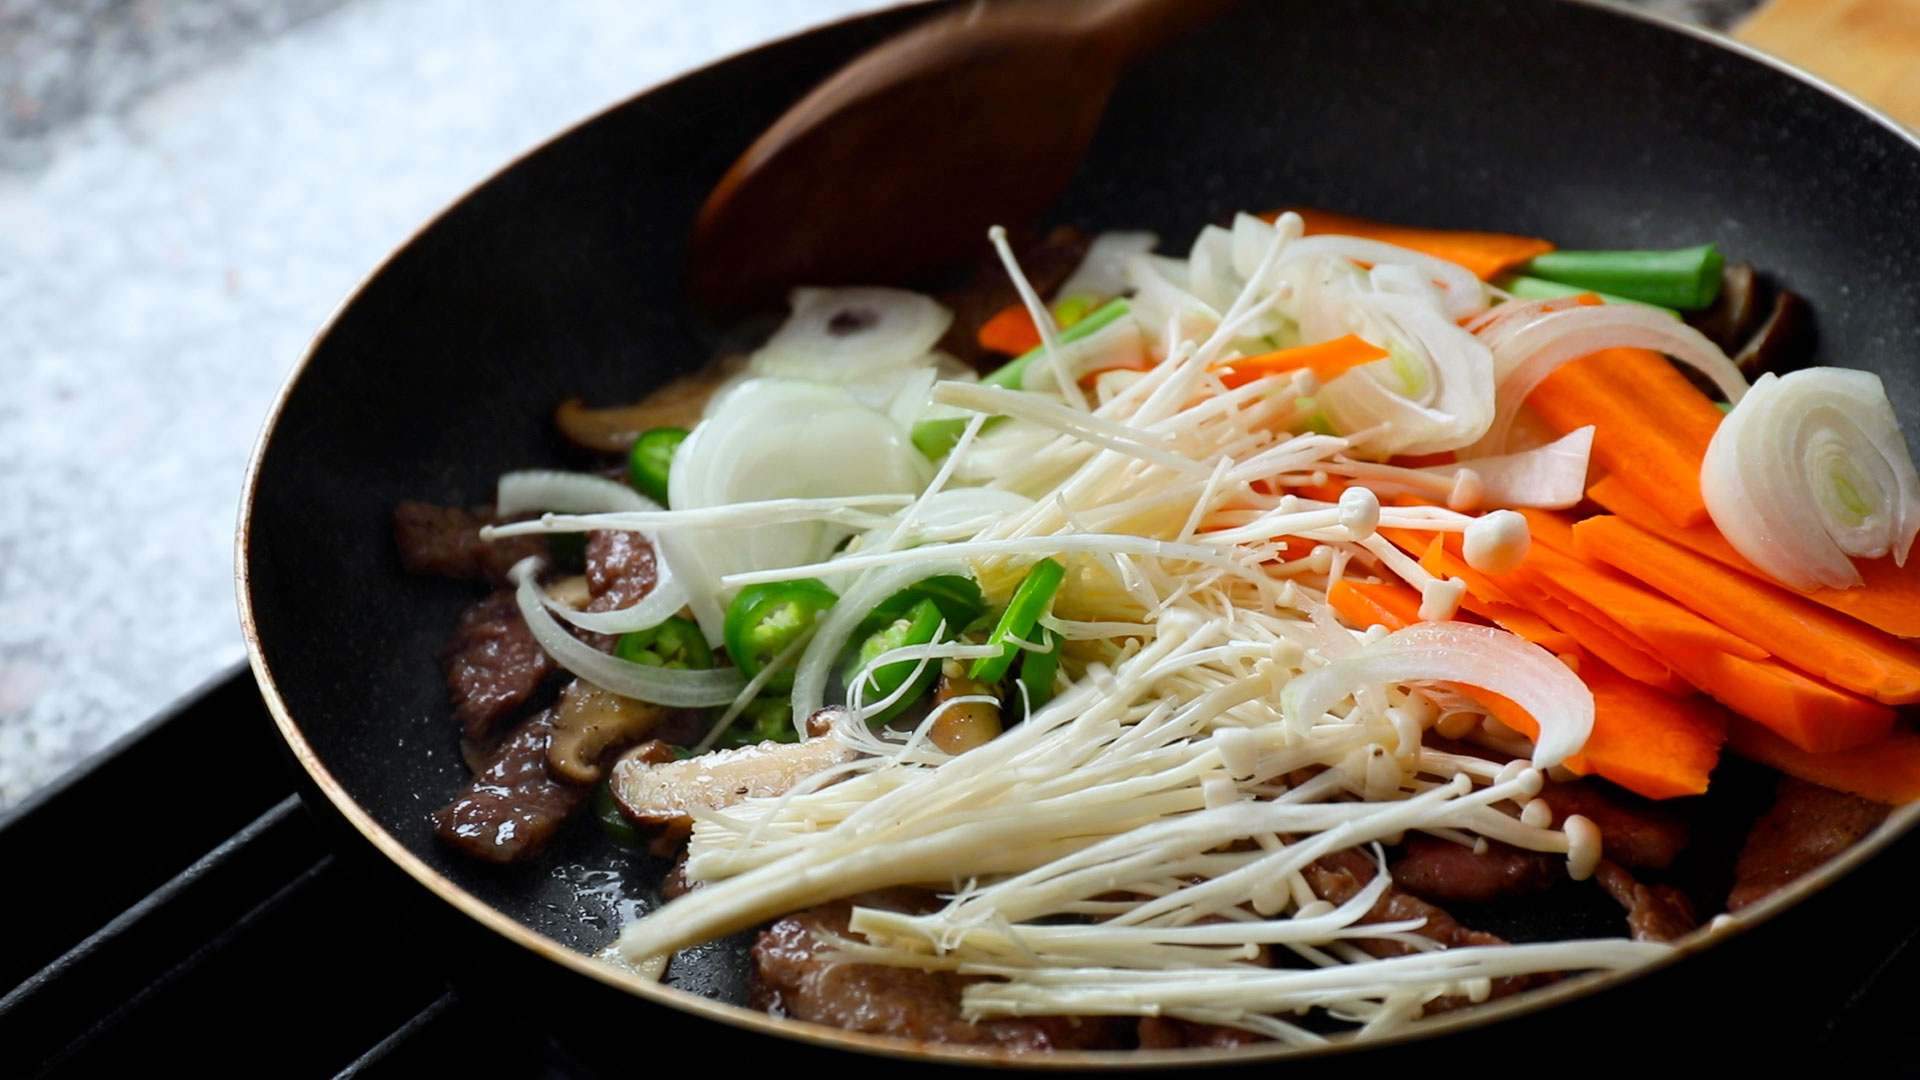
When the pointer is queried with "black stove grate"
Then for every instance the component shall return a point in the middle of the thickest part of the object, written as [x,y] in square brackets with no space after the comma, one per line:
[171,903]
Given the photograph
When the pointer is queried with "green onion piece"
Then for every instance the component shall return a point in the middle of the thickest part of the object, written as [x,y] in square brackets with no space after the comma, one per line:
[1533,288]
[651,459]
[958,599]
[766,618]
[614,823]
[917,626]
[766,719]
[1072,309]
[1023,613]
[1037,668]
[1687,278]
[1013,371]
[676,643]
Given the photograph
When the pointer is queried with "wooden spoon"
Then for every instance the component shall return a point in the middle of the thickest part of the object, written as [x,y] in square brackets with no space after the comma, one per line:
[891,171]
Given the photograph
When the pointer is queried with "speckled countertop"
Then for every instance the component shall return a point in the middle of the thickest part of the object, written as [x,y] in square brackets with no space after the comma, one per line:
[187,189]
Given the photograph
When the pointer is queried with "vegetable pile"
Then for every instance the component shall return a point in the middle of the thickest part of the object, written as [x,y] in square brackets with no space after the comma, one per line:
[1124,635]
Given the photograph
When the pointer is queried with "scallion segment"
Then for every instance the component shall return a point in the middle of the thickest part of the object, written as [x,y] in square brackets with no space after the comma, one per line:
[1023,613]
[1685,278]
[1013,371]
[1534,288]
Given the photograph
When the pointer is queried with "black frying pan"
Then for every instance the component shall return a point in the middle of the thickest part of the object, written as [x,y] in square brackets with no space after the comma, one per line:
[558,277]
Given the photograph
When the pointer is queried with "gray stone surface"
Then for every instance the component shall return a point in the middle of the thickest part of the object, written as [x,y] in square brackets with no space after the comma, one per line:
[187,188]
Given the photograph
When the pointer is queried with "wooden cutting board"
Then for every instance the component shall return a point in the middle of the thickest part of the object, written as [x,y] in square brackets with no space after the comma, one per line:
[1869,47]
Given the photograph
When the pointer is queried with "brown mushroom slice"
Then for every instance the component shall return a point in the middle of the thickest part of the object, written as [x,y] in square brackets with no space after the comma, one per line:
[589,722]
[1737,308]
[1783,343]
[613,430]
[960,728]
[664,795]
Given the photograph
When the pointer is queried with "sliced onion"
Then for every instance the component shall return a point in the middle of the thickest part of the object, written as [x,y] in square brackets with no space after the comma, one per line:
[1102,272]
[847,335]
[1477,656]
[777,439]
[1118,344]
[1529,350]
[661,686]
[551,491]
[1160,296]
[661,603]
[1809,469]
[1550,477]
[1464,294]
[832,633]
[1453,403]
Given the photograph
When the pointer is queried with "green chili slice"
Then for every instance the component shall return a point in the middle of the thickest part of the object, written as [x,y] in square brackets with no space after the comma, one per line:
[612,822]
[765,719]
[1034,683]
[651,460]
[918,626]
[1685,278]
[1023,613]
[675,643]
[958,598]
[1013,371]
[764,619]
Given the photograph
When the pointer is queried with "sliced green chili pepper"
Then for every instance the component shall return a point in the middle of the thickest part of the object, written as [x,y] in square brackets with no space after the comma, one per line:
[958,598]
[918,626]
[764,619]
[612,821]
[764,719]
[675,643]
[1013,371]
[1533,288]
[1687,278]
[651,460]
[1034,683]
[1023,613]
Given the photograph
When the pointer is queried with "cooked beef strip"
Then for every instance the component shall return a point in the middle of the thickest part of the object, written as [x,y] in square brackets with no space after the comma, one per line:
[1339,877]
[493,665]
[445,540]
[1636,833]
[1048,264]
[793,978]
[1654,912]
[1807,825]
[1448,873]
[620,569]
[513,806]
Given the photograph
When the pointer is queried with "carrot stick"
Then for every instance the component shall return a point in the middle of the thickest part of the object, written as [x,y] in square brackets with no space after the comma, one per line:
[1886,770]
[1808,713]
[1483,598]
[1010,331]
[1488,255]
[1327,360]
[1889,601]
[1651,426]
[1833,647]
[1364,604]
[1553,530]
[1667,628]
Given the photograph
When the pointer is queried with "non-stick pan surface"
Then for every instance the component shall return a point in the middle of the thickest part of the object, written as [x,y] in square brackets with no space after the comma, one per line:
[559,277]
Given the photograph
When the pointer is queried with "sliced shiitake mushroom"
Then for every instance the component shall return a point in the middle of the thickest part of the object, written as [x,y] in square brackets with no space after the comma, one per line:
[961,727]
[677,404]
[589,723]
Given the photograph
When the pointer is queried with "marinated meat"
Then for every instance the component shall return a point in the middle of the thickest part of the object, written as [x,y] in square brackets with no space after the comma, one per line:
[1339,877]
[620,569]
[1047,264]
[1654,912]
[793,978]
[1807,825]
[1635,833]
[445,540]
[513,806]
[1448,873]
[493,665]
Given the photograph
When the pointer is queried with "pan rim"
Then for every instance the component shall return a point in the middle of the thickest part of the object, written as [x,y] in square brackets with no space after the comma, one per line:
[1720,929]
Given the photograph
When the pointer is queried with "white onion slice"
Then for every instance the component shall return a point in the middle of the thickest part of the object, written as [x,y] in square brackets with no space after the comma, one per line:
[1809,469]
[1550,477]
[1450,400]
[661,603]
[1102,273]
[1463,292]
[1478,656]
[551,491]
[849,335]
[661,686]
[1118,344]
[1528,351]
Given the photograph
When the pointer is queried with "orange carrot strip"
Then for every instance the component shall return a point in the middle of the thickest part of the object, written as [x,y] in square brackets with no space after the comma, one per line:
[1651,426]
[1328,360]
[1486,254]
[1395,607]
[1327,492]
[1886,770]
[1890,599]
[1810,714]
[1010,331]
[1485,599]
[1552,530]
[1666,627]
[1833,647]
